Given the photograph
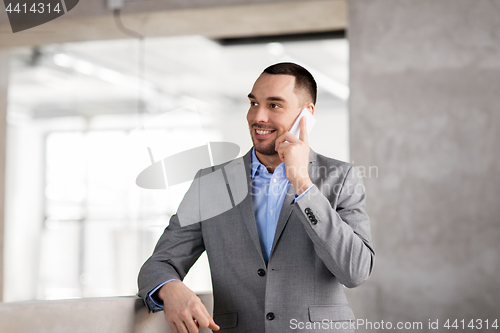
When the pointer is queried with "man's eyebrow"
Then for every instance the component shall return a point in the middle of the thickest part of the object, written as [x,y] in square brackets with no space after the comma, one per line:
[274,98]
[271,98]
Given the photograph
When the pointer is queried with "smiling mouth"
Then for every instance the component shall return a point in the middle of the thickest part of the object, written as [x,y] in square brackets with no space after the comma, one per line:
[263,132]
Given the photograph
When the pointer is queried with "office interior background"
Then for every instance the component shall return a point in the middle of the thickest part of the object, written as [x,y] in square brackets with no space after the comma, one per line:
[408,91]
[76,146]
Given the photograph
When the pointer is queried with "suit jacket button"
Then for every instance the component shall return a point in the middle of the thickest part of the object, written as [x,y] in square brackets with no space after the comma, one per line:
[314,222]
[270,316]
[261,272]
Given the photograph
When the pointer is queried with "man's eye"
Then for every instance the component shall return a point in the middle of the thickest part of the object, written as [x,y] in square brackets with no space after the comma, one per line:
[273,106]
[253,103]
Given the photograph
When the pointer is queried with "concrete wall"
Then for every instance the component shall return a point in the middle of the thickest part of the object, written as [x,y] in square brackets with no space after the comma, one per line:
[425,110]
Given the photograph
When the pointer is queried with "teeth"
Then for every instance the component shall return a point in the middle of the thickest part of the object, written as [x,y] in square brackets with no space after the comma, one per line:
[262,132]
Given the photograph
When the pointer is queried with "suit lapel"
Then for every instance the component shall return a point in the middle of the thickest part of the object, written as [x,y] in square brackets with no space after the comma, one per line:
[286,209]
[246,206]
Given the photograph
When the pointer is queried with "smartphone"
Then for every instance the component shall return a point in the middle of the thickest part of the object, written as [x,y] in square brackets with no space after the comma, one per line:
[311,121]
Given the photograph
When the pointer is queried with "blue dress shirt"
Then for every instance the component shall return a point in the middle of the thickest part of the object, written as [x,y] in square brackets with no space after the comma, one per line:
[268,194]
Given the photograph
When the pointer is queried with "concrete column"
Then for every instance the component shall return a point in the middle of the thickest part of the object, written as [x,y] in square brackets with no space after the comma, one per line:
[4,72]
[425,111]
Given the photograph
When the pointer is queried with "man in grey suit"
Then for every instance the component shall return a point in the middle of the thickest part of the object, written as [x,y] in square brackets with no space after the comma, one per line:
[285,229]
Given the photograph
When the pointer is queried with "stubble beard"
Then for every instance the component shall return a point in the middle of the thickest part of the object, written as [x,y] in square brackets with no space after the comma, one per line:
[265,150]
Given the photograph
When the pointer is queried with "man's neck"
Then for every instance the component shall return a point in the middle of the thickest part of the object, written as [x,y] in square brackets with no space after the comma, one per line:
[271,162]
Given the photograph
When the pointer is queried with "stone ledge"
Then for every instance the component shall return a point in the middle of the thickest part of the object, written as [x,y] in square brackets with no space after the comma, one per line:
[96,315]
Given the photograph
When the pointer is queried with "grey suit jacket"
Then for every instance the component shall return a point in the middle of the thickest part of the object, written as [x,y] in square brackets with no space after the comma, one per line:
[322,243]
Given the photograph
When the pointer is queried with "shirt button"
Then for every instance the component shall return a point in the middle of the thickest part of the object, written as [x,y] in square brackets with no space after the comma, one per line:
[261,272]
[271,212]
[270,316]
[274,180]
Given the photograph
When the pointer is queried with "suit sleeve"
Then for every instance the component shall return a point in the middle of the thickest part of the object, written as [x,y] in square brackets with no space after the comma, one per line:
[335,219]
[176,251]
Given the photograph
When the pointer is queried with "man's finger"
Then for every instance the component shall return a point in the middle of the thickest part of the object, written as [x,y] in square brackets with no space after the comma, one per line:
[192,327]
[181,328]
[213,326]
[281,149]
[303,130]
[279,140]
[286,137]
[201,316]
[211,323]
[173,327]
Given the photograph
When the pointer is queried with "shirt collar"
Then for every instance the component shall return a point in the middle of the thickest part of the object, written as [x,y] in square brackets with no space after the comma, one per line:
[256,166]
[255,163]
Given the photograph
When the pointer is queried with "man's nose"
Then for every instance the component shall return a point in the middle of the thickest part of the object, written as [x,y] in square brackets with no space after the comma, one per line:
[261,115]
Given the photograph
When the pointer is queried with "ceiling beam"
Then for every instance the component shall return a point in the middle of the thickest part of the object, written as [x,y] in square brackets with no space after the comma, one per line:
[92,20]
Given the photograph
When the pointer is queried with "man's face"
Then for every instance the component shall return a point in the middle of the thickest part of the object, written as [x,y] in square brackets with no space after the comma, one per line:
[274,105]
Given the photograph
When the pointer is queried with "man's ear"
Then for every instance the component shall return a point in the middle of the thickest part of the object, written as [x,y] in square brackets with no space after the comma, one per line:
[310,107]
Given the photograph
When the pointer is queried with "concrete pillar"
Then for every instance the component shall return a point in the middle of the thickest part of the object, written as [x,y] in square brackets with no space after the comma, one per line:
[4,72]
[424,110]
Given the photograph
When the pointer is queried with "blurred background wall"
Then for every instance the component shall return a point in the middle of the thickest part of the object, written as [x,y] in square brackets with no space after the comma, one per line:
[92,91]
[422,120]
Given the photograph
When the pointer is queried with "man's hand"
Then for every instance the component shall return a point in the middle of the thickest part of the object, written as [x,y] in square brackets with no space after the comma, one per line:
[294,152]
[184,311]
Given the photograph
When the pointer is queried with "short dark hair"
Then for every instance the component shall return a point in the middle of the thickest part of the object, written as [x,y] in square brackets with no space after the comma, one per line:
[303,79]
